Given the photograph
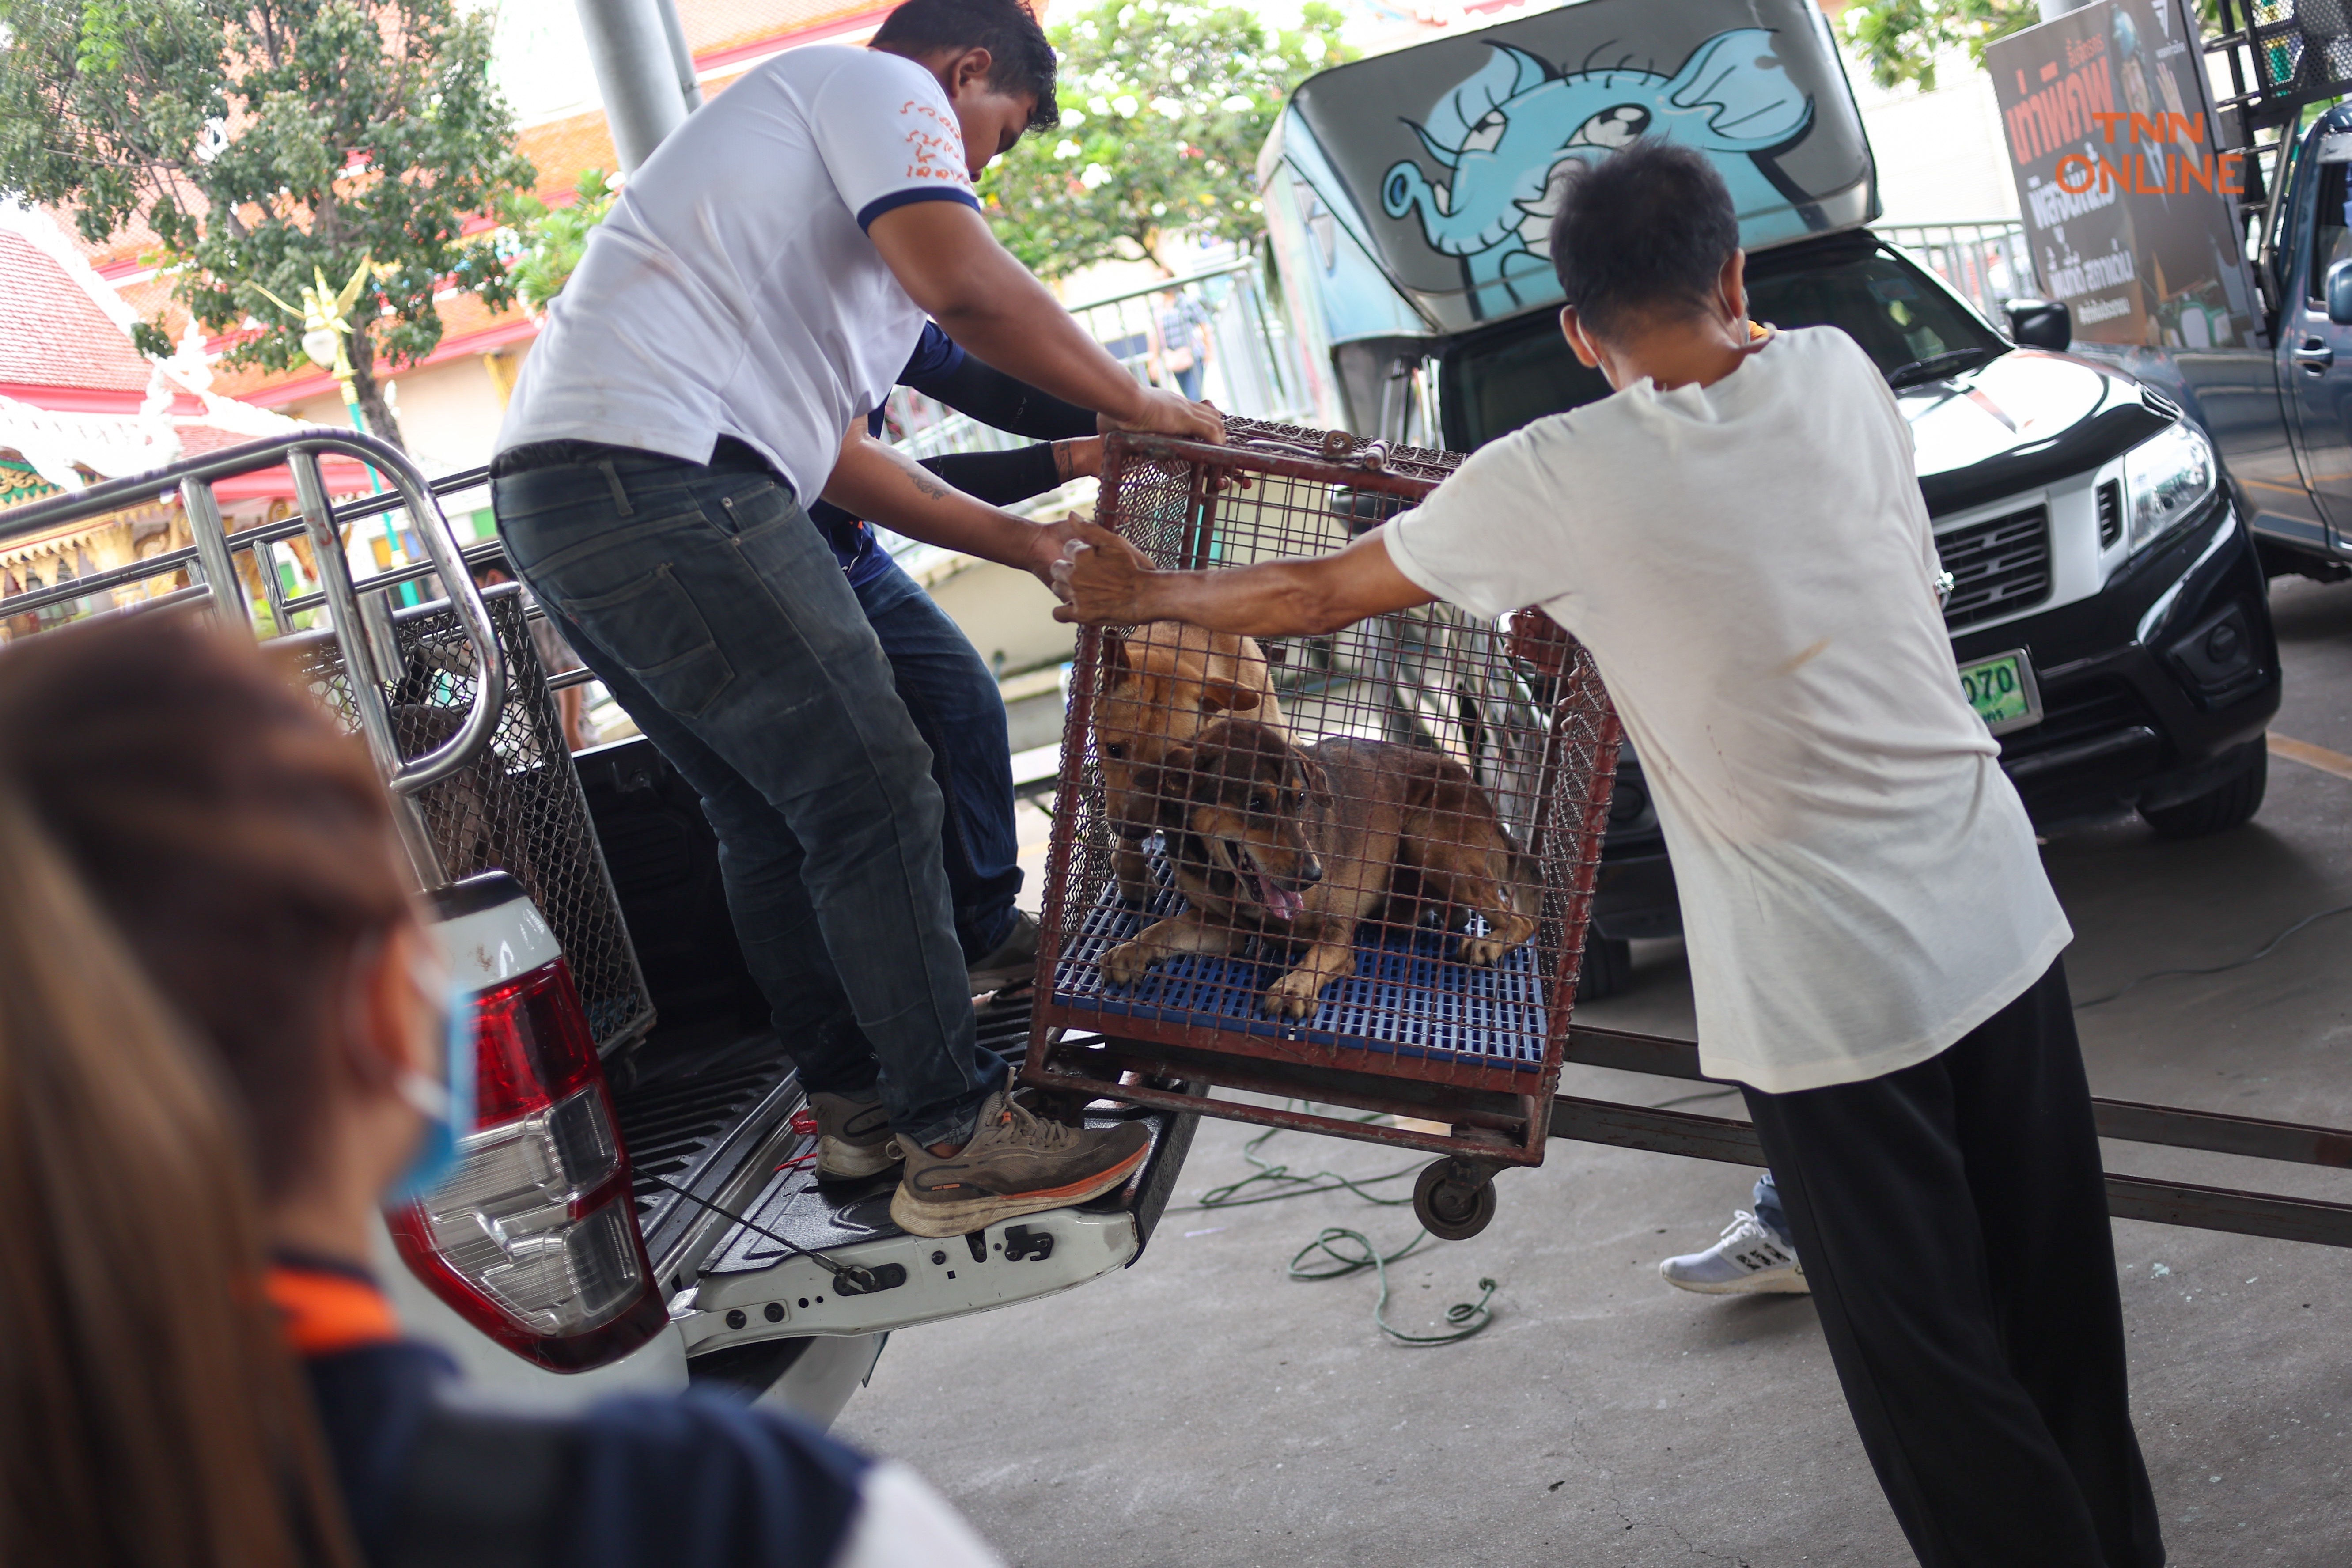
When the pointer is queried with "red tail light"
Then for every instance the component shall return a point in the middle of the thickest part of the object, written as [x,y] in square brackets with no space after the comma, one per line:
[534,1239]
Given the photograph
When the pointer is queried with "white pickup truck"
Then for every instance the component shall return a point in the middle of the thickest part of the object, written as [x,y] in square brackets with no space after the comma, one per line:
[637,1203]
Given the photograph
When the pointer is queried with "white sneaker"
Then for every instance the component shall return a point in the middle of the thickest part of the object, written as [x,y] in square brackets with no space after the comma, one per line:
[1750,1260]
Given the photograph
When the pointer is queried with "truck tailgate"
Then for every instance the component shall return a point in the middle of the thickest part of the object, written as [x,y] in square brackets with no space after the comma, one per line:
[753,1288]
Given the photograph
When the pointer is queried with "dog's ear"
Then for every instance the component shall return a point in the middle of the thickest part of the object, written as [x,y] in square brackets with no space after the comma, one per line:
[1114,660]
[1220,696]
[1319,783]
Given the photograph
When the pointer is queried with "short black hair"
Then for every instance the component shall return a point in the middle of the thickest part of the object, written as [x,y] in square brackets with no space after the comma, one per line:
[1007,29]
[1645,231]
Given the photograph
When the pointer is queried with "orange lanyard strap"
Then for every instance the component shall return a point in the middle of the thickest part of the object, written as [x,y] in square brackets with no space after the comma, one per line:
[324,1311]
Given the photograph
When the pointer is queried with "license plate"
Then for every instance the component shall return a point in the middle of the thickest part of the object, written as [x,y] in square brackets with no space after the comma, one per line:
[2001,690]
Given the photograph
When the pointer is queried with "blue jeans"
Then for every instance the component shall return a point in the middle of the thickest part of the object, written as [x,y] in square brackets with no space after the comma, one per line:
[1768,1207]
[710,607]
[960,712]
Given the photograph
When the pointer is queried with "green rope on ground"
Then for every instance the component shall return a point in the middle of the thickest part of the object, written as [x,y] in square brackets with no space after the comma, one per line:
[1470,1315]
[1473,1316]
[1301,1185]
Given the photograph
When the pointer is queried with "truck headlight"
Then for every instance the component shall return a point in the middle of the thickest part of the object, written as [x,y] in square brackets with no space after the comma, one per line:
[2166,479]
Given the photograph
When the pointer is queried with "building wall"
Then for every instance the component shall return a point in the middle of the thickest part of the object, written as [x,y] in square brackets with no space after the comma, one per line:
[1940,154]
[448,413]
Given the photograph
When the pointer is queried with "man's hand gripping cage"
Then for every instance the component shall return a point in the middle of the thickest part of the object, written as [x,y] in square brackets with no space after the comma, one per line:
[1353,870]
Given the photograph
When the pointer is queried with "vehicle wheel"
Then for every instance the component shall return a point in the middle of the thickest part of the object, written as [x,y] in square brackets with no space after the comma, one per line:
[1608,967]
[1449,1207]
[2234,801]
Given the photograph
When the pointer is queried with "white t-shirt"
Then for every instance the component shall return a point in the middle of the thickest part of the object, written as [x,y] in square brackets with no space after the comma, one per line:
[731,290]
[1753,569]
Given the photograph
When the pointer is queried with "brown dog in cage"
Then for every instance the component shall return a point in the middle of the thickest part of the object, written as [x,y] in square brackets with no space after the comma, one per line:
[1304,844]
[1161,683]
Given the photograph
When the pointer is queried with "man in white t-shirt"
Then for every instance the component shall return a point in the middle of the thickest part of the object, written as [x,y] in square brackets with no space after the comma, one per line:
[704,378]
[1738,536]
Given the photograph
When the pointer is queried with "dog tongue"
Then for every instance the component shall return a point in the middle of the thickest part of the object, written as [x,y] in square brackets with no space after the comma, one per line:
[1284,903]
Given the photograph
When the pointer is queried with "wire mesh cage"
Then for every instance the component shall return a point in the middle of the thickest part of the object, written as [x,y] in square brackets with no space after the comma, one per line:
[518,806]
[1355,867]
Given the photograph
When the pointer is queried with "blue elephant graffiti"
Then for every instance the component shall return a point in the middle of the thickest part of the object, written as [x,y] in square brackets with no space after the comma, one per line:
[1508,133]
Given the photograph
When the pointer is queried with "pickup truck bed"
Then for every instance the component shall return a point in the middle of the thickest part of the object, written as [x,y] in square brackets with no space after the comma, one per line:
[708,1103]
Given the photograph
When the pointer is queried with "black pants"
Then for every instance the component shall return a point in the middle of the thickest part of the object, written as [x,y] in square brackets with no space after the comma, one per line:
[1952,1218]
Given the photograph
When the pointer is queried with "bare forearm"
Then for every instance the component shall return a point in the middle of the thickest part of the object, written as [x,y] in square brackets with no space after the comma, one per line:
[945,257]
[883,485]
[1271,599]
[1102,578]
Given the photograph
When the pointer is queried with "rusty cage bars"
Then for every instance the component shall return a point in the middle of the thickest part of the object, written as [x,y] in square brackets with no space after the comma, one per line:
[1364,880]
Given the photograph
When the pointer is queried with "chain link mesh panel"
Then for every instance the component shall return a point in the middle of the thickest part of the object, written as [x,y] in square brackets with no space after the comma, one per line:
[519,807]
[1371,851]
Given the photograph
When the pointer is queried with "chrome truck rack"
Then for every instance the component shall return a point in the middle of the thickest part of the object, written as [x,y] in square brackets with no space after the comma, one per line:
[448,695]
[368,655]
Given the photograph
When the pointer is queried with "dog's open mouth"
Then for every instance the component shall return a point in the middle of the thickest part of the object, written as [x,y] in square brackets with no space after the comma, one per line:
[1270,894]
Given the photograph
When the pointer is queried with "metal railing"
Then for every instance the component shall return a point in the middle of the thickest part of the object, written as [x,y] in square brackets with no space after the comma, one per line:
[449,692]
[356,606]
[1985,261]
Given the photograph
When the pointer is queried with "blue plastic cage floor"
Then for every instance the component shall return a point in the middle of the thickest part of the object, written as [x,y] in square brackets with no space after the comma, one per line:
[1407,997]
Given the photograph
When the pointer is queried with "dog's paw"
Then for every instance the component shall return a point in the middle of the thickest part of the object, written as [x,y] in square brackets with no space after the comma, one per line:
[1135,892]
[1125,964]
[1482,951]
[1295,996]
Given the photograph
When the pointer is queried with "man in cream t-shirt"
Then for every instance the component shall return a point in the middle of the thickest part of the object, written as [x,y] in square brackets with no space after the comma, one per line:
[1738,536]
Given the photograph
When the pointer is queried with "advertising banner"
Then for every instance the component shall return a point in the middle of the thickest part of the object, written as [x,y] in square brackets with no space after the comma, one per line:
[2131,211]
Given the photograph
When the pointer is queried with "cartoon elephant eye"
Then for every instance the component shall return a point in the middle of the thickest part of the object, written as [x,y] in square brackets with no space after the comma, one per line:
[1485,133]
[1613,128]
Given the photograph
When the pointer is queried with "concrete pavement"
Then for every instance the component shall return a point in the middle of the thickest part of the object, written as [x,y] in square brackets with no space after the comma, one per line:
[1202,1409]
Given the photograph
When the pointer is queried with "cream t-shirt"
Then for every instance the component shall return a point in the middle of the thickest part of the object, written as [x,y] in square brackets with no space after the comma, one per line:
[1753,568]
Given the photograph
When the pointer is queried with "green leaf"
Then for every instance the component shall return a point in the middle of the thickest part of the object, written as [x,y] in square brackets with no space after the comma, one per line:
[1165,106]
[265,140]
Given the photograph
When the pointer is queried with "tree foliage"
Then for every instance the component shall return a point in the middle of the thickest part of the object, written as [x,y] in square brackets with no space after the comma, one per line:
[262,142]
[550,241]
[1164,106]
[1900,39]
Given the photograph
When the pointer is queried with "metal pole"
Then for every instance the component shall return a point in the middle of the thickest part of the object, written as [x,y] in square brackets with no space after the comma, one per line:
[636,73]
[213,553]
[364,665]
[680,56]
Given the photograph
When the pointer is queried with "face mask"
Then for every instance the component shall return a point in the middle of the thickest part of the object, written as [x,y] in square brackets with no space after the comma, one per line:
[448,1106]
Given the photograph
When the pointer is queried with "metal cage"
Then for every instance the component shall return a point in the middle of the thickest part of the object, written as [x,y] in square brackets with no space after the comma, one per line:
[1355,869]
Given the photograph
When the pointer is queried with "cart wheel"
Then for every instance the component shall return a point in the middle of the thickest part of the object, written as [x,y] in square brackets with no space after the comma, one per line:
[1451,1206]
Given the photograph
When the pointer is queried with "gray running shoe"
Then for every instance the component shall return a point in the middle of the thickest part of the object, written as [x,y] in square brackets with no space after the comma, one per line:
[853,1136]
[1013,961]
[1016,1162]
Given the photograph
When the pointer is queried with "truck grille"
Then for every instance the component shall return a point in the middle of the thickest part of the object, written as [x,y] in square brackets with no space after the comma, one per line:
[1998,565]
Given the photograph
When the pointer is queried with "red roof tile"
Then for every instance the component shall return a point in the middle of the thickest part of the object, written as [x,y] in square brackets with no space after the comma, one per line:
[52,333]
